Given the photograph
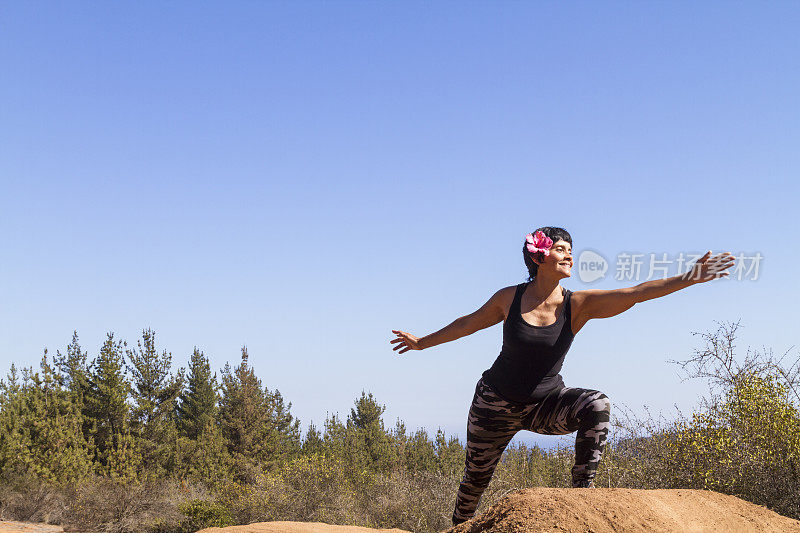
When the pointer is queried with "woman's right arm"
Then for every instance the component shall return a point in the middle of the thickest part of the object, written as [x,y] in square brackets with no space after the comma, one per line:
[491,313]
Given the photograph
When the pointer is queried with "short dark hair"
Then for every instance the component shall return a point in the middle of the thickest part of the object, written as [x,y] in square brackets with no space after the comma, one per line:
[556,234]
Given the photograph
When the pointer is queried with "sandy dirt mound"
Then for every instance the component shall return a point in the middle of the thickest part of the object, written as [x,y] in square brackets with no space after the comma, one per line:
[295,527]
[7,526]
[607,510]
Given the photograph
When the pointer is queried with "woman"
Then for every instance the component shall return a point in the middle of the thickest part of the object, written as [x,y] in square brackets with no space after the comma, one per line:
[523,389]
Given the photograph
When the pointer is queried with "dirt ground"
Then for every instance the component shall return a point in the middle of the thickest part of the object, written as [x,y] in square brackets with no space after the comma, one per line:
[560,510]
[590,510]
[607,510]
[26,527]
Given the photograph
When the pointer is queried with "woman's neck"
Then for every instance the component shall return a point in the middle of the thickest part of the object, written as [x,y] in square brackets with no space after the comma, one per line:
[543,288]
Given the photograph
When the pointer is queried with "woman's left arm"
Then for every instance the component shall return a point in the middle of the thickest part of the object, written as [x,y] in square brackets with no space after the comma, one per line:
[591,304]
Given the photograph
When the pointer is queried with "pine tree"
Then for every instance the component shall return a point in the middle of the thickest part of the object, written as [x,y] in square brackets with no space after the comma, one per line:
[368,441]
[255,422]
[72,369]
[108,411]
[335,435]
[40,429]
[197,407]
[59,451]
[73,373]
[313,443]
[420,453]
[206,458]
[14,435]
[243,409]
[155,395]
[204,454]
[400,443]
[367,412]
[284,426]
[399,432]
[449,454]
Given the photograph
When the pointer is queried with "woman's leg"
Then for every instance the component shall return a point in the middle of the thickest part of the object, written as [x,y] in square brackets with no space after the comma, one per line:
[491,425]
[586,411]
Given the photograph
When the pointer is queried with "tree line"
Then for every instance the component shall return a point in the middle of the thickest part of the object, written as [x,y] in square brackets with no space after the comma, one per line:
[126,416]
[122,443]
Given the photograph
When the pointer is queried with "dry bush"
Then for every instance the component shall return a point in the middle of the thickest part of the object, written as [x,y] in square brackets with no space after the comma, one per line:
[641,454]
[32,501]
[314,487]
[320,487]
[327,489]
[414,501]
[102,505]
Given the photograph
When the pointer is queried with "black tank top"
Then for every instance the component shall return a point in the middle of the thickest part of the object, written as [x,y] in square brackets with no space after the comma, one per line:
[528,366]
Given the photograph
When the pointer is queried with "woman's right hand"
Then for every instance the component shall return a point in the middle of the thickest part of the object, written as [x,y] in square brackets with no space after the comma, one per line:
[405,342]
[707,268]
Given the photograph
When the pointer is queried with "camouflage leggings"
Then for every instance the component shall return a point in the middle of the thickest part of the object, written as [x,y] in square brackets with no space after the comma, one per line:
[493,422]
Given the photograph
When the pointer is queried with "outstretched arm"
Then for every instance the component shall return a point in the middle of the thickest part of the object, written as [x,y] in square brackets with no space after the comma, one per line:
[488,315]
[607,303]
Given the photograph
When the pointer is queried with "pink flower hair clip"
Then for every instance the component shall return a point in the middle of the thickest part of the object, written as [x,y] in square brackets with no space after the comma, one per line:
[538,242]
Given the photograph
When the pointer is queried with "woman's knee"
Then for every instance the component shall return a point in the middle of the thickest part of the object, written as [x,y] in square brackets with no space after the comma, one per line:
[602,403]
[599,406]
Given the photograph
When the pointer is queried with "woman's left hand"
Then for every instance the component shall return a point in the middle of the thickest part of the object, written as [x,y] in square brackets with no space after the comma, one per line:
[707,268]
[407,341]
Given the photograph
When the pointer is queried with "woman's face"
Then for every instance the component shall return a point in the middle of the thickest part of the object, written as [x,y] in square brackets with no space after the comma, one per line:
[560,259]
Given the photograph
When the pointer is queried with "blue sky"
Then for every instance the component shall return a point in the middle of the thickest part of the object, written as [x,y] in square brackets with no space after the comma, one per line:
[302,178]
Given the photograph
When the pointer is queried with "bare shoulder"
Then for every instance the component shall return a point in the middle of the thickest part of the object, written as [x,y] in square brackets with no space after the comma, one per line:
[579,299]
[492,312]
[504,297]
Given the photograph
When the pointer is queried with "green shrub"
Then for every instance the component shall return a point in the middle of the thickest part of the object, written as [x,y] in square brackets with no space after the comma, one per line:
[202,514]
